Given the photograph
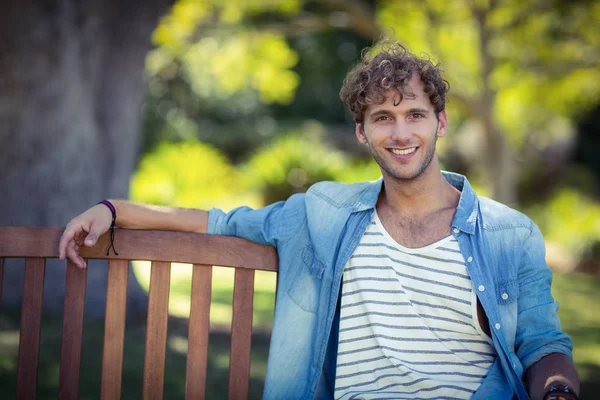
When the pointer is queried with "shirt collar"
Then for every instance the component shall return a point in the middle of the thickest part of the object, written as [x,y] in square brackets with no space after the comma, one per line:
[466,212]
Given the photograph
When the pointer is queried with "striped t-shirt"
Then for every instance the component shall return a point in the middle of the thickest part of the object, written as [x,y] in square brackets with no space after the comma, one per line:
[408,323]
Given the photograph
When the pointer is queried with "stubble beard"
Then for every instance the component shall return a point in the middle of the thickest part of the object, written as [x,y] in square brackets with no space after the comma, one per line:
[397,174]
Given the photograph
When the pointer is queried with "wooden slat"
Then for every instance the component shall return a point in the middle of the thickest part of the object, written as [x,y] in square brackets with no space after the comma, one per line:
[70,355]
[31,318]
[114,330]
[145,245]
[241,334]
[199,328]
[156,333]
[1,279]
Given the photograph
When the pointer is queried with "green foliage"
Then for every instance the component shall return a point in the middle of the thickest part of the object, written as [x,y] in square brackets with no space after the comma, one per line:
[186,174]
[442,30]
[359,171]
[226,66]
[292,163]
[193,174]
[579,296]
[179,26]
[571,219]
[542,63]
[229,59]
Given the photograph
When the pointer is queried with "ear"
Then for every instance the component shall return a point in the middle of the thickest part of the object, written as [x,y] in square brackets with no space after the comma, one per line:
[360,133]
[442,123]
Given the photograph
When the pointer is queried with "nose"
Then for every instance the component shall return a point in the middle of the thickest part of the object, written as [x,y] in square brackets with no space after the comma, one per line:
[401,132]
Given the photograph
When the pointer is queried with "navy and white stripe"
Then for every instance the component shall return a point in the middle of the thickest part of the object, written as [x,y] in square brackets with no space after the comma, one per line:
[408,324]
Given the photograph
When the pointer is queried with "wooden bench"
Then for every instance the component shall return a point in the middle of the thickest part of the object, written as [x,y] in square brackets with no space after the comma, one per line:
[162,248]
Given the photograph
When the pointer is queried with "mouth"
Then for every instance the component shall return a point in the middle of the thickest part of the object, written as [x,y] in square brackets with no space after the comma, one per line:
[403,154]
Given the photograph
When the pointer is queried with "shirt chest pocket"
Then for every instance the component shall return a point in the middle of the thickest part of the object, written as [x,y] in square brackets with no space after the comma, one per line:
[507,292]
[507,295]
[306,284]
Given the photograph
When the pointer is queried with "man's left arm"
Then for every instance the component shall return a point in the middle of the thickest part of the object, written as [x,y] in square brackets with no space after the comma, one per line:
[543,348]
[556,370]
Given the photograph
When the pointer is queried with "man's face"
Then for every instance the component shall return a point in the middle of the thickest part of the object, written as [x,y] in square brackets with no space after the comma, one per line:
[402,137]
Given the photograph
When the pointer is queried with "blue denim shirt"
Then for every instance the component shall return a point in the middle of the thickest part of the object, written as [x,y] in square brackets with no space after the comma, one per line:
[316,233]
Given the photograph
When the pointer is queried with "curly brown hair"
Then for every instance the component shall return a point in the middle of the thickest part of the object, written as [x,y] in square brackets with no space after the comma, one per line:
[391,69]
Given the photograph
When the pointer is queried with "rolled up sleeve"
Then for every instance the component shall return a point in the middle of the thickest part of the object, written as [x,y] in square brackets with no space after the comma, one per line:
[267,225]
[538,326]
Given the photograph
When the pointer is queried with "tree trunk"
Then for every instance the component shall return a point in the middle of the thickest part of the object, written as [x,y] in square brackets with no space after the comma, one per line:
[498,159]
[499,162]
[71,89]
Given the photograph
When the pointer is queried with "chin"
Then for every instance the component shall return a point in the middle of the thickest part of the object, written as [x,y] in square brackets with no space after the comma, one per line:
[406,176]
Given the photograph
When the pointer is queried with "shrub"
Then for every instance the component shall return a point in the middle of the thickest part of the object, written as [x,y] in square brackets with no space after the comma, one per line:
[186,174]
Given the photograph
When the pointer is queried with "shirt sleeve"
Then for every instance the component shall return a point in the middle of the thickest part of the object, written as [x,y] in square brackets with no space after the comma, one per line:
[538,326]
[267,225]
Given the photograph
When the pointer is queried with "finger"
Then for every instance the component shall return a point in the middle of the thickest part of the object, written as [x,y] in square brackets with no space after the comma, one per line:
[96,230]
[73,255]
[72,252]
[67,236]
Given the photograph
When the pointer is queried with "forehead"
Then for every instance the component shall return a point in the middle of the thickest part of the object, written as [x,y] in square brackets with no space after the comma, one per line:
[413,95]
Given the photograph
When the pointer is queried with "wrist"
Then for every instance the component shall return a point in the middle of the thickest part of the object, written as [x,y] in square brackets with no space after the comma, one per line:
[107,204]
[103,213]
[560,391]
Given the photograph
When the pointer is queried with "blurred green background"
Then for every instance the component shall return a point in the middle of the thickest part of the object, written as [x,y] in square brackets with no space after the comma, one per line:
[240,107]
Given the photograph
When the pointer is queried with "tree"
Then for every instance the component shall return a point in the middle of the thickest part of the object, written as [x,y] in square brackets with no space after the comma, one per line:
[236,74]
[71,89]
[522,69]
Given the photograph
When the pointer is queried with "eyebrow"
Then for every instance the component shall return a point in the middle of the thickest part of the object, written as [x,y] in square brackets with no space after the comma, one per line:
[418,110]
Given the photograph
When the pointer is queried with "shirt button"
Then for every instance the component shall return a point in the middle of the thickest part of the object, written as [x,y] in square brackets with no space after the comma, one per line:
[481,288]
[469,259]
[456,230]
[497,326]
[504,296]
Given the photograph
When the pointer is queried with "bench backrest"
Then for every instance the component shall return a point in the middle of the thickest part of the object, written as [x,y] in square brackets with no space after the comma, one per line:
[161,248]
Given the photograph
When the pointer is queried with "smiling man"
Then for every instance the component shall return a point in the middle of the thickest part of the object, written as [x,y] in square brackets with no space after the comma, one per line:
[408,287]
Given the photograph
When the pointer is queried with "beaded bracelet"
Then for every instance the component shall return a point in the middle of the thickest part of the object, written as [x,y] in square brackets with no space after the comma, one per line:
[113,210]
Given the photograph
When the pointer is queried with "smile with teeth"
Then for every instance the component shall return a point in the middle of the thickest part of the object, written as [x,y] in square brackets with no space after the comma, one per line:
[404,151]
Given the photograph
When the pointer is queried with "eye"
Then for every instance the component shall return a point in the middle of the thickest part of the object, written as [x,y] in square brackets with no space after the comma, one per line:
[416,116]
[382,118]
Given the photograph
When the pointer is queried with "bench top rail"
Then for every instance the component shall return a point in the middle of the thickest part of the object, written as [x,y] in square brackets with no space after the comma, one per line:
[179,247]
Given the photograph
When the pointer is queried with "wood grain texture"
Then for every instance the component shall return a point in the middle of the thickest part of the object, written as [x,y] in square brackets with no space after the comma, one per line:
[156,332]
[199,328]
[31,318]
[183,247]
[241,334]
[1,279]
[70,354]
[114,330]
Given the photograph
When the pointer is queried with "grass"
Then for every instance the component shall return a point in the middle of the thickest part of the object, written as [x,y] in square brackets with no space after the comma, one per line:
[579,296]
[222,288]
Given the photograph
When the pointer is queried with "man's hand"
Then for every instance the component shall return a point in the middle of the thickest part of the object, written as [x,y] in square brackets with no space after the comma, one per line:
[89,226]
[84,230]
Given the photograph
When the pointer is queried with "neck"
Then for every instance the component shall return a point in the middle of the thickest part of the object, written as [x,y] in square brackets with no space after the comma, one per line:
[428,192]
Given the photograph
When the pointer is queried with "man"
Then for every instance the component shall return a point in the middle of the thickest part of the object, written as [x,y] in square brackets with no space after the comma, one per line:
[407,287]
